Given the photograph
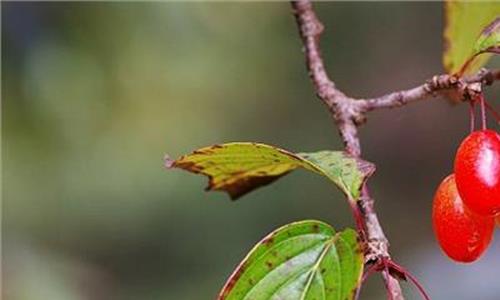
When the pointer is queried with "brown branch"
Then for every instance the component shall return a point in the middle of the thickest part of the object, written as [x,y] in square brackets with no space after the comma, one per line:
[349,113]
[340,107]
[438,84]
[310,30]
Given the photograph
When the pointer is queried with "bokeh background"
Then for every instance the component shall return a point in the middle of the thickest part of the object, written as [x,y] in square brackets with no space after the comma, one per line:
[94,95]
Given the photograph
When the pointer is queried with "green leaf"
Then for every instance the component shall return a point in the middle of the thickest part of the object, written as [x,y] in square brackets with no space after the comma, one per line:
[302,260]
[489,40]
[239,168]
[465,20]
[346,172]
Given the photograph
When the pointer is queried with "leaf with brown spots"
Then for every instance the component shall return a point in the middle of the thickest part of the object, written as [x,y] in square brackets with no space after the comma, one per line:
[466,25]
[303,260]
[239,168]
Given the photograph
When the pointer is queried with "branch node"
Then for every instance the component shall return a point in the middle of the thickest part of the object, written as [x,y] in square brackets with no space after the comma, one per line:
[376,250]
[472,90]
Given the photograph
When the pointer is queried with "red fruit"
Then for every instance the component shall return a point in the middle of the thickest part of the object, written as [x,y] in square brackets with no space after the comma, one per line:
[477,171]
[462,234]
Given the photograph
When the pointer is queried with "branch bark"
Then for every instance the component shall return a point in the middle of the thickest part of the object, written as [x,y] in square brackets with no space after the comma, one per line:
[466,89]
[349,113]
[346,115]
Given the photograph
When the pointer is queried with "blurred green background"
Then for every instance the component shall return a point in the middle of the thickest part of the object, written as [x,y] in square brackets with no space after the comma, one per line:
[94,94]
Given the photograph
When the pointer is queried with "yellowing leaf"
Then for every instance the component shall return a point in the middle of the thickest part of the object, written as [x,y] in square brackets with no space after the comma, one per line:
[303,260]
[465,20]
[239,168]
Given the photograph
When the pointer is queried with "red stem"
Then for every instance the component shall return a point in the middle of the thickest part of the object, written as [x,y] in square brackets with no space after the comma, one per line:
[472,116]
[358,218]
[412,278]
[367,273]
[386,274]
[483,112]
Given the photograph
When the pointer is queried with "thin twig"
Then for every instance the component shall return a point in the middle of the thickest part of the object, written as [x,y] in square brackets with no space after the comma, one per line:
[347,116]
[344,114]
[432,88]
[348,113]
[483,112]
[310,30]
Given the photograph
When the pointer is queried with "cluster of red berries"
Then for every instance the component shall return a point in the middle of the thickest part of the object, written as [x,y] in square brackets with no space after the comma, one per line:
[467,202]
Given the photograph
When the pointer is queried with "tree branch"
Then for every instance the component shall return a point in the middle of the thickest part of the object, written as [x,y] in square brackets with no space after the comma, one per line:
[310,30]
[466,89]
[349,113]
[344,114]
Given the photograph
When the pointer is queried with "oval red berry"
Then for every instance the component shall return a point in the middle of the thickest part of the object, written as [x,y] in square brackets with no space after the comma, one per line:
[462,234]
[477,171]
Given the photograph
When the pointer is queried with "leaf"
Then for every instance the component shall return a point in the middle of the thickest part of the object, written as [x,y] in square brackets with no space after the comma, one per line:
[347,172]
[464,22]
[302,260]
[489,40]
[239,168]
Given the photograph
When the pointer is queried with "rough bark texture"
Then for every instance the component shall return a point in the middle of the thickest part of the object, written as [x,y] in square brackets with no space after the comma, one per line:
[349,113]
